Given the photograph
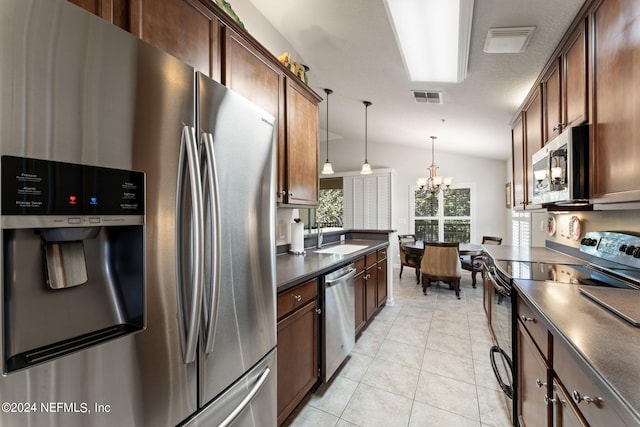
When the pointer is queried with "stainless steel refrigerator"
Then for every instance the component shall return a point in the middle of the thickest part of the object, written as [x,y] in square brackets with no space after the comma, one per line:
[185,288]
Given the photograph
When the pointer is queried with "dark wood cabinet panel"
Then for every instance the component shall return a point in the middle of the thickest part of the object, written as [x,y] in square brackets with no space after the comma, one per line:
[575,78]
[533,376]
[371,290]
[533,139]
[518,168]
[564,413]
[382,281]
[302,144]
[616,85]
[359,291]
[113,11]
[297,358]
[184,28]
[552,102]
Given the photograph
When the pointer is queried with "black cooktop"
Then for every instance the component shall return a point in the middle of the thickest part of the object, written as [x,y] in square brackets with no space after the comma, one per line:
[564,273]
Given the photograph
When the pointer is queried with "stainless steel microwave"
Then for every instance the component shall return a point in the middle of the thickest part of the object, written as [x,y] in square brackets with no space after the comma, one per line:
[561,169]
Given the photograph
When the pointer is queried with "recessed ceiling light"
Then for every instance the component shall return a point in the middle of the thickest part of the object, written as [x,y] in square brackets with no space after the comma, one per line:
[433,36]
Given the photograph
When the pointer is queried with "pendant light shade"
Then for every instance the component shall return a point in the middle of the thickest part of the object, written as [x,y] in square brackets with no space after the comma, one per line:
[366,168]
[327,169]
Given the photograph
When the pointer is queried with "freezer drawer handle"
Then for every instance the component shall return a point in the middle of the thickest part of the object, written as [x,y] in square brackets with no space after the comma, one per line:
[247,399]
[189,332]
[212,291]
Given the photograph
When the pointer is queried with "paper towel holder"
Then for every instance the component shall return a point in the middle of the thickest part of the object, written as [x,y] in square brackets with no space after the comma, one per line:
[297,251]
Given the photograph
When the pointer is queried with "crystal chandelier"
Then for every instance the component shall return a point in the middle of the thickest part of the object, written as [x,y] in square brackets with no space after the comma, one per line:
[435,182]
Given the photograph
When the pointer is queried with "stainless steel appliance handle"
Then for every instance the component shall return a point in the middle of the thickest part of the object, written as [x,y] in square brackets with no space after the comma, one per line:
[247,399]
[351,273]
[211,176]
[497,284]
[189,333]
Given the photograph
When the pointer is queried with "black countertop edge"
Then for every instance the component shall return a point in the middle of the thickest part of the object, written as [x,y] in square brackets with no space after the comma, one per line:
[333,236]
[291,270]
[523,287]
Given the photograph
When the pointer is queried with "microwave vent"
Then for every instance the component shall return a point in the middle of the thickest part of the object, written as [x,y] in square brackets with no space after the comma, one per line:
[427,96]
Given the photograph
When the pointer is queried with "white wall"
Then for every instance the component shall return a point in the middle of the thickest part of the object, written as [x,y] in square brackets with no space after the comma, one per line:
[488,176]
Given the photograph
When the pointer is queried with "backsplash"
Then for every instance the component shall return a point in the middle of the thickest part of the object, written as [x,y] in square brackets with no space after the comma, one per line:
[591,221]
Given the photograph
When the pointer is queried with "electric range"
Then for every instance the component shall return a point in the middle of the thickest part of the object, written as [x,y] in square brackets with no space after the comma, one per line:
[606,259]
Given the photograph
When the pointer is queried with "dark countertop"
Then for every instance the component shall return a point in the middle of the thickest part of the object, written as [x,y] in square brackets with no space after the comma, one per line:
[607,344]
[536,254]
[292,270]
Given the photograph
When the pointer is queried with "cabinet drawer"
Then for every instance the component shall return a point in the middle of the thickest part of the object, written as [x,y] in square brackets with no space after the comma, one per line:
[538,331]
[296,297]
[359,264]
[382,254]
[370,259]
[582,386]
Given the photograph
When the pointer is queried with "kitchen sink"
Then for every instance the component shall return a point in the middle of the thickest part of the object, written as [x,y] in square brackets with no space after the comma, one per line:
[340,249]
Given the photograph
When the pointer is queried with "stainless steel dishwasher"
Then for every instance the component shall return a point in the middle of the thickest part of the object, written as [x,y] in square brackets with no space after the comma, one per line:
[339,318]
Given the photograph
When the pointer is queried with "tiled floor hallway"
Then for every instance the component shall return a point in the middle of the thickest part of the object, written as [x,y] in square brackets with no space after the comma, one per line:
[422,362]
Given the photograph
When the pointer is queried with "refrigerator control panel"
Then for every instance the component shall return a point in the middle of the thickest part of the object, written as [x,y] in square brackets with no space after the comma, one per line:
[43,187]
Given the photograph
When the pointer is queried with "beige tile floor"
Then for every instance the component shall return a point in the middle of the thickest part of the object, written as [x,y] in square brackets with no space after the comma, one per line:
[422,362]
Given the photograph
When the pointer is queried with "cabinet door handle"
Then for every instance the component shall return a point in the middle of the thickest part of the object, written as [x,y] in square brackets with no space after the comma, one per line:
[527,319]
[539,383]
[297,298]
[548,400]
[578,398]
[379,268]
[282,193]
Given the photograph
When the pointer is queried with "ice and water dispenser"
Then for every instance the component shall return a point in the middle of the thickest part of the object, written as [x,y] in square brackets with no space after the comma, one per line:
[72,258]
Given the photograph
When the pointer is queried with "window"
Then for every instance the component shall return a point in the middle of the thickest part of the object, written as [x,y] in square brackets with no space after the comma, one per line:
[331,202]
[443,217]
[520,228]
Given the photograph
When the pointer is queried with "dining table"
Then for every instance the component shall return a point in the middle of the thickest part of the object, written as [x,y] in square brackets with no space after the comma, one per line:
[470,249]
[417,248]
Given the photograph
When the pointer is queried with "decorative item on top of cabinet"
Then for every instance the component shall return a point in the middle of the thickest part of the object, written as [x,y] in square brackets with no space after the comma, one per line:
[226,6]
[616,116]
[297,368]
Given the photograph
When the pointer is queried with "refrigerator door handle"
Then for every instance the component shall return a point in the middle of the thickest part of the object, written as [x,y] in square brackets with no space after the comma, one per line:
[247,399]
[211,177]
[189,332]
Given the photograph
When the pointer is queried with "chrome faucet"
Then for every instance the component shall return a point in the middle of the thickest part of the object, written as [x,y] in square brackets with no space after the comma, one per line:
[319,228]
[320,235]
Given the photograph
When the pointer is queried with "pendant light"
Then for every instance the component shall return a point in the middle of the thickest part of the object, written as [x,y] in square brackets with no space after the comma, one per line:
[327,169]
[366,168]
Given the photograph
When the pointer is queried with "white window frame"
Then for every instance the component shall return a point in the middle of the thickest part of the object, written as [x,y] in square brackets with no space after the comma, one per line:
[441,218]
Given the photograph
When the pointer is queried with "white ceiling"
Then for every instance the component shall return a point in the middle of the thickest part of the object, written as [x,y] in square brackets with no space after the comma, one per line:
[350,47]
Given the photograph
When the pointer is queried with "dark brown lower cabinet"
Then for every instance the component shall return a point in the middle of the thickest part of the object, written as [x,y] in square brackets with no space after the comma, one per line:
[297,349]
[533,378]
[564,414]
[382,277]
[360,317]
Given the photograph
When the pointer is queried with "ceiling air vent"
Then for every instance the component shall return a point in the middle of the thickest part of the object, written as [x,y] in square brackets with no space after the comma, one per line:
[508,39]
[427,96]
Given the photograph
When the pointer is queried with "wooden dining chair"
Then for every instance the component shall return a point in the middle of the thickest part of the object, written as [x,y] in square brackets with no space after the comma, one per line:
[474,263]
[407,258]
[441,262]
